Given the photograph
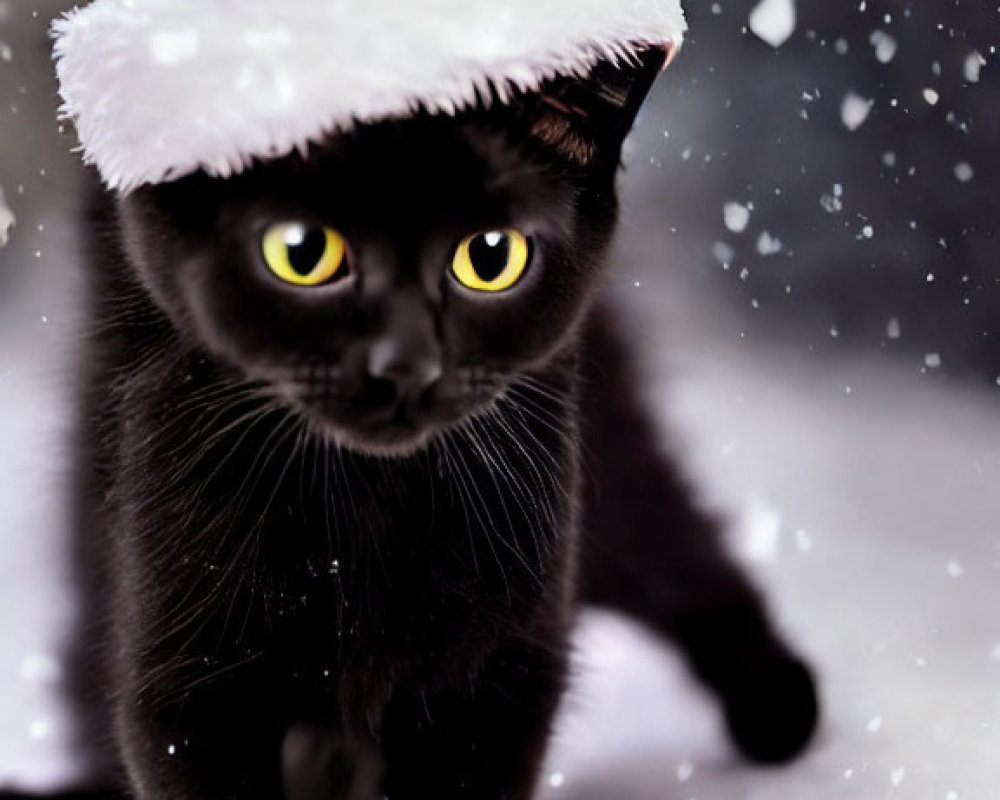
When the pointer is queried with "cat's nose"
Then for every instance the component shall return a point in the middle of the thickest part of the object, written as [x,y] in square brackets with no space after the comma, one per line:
[405,354]
[410,370]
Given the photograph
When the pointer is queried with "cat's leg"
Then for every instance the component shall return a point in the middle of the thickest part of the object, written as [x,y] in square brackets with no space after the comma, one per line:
[484,740]
[651,553]
[221,742]
[320,763]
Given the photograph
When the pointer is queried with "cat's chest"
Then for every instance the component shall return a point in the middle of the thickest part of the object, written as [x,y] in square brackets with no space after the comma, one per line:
[410,560]
[302,549]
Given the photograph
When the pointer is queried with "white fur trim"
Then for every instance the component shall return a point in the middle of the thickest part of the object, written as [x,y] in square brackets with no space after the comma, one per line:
[160,88]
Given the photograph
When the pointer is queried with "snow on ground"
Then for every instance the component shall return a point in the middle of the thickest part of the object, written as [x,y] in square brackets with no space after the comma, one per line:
[35,608]
[37,345]
[866,501]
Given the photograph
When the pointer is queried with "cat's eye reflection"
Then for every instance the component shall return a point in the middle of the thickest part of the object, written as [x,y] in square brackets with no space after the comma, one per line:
[492,261]
[305,255]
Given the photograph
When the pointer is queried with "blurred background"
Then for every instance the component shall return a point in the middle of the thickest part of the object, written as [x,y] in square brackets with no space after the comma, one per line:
[809,255]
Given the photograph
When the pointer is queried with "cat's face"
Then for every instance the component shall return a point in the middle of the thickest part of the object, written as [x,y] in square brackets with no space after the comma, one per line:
[391,282]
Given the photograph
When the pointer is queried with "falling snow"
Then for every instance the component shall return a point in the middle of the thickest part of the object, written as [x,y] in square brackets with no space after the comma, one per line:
[773,21]
[39,669]
[40,728]
[723,253]
[832,202]
[973,66]
[884,44]
[736,216]
[7,219]
[964,172]
[759,531]
[897,776]
[854,110]
[768,245]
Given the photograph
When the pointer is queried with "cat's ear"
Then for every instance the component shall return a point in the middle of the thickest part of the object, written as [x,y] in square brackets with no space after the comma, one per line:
[587,119]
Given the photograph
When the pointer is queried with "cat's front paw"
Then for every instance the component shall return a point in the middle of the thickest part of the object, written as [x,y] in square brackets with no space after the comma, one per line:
[319,764]
[772,711]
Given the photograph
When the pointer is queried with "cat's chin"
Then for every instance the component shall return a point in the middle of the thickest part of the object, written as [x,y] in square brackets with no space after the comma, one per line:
[387,432]
[386,440]
[386,448]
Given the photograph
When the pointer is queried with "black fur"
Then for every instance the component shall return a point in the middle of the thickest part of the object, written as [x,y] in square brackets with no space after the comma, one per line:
[323,581]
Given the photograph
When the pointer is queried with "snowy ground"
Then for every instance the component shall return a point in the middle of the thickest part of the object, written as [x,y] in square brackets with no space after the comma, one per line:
[871,518]
[864,499]
[865,496]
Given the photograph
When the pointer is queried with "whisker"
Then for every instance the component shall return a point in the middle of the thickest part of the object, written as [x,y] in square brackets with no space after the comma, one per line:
[477,445]
[485,523]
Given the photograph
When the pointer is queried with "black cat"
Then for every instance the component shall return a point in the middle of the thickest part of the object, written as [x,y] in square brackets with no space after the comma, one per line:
[360,437]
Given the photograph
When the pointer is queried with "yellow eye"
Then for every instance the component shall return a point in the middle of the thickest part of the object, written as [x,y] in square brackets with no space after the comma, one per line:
[305,255]
[491,261]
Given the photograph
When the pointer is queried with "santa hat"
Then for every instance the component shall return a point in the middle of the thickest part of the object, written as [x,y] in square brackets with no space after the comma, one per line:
[160,88]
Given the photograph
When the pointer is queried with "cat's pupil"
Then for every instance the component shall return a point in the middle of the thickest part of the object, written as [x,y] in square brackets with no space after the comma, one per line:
[489,254]
[305,249]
